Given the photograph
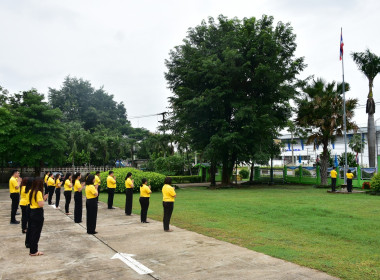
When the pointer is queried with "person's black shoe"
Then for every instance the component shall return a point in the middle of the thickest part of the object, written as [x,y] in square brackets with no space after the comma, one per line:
[95,232]
[146,222]
[14,222]
[112,208]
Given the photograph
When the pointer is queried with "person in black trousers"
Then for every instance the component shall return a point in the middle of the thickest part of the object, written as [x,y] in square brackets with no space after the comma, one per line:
[169,196]
[58,185]
[14,189]
[91,204]
[36,221]
[128,194]
[68,188]
[349,176]
[77,198]
[51,188]
[111,187]
[145,192]
[46,177]
[26,184]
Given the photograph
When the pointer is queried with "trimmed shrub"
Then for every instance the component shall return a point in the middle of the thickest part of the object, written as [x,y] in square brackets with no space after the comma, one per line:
[156,180]
[244,173]
[305,172]
[375,183]
[186,179]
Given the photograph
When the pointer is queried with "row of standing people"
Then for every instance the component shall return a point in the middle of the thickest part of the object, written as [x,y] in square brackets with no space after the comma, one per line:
[334,174]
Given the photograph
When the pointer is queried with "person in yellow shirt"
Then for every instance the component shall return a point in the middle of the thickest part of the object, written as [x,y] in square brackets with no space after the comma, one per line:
[51,187]
[333,175]
[77,198]
[46,177]
[24,203]
[36,220]
[169,196]
[97,183]
[68,187]
[128,194]
[145,192]
[349,176]
[111,186]
[91,204]
[58,185]
[14,190]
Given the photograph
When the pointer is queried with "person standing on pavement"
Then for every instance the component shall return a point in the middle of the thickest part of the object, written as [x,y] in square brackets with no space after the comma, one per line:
[169,196]
[36,221]
[97,182]
[333,175]
[77,198]
[58,185]
[68,188]
[46,177]
[91,204]
[26,184]
[145,192]
[14,190]
[111,186]
[51,187]
[128,194]
[349,176]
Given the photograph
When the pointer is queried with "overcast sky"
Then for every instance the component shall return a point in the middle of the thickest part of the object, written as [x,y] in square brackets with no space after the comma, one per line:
[122,45]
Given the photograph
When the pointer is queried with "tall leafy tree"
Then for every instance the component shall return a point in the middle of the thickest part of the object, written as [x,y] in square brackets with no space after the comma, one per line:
[320,112]
[7,127]
[369,64]
[357,144]
[232,79]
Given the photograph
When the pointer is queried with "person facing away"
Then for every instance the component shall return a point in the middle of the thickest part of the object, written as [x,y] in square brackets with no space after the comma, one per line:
[68,188]
[333,175]
[111,186]
[169,196]
[349,176]
[51,188]
[97,182]
[128,193]
[58,185]
[24,202]
[91,204]
[145,192]
[46,177]
[78,203]
[14,190]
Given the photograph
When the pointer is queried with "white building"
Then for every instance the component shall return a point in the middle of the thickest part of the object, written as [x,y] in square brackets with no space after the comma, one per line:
[307,155]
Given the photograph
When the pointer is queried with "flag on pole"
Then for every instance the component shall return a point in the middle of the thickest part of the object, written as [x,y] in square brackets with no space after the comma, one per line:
[341,45]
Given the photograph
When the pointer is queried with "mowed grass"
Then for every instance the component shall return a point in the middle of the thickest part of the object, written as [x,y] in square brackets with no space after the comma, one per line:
[338,234]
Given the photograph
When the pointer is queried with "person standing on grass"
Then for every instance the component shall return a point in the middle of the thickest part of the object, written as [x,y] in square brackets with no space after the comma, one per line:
[26,184]
[333,175]
[77,198]
[145,192]
[36,220]
[111,186]
[349,176]
[128,194]
[68,188]
[97,182]
[58,185]
[14,190]
[91,204]
[51,188]
[169,196]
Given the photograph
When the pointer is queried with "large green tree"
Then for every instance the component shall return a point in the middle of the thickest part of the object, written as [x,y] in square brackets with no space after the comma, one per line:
[231,81]
[369,64]
[320,112]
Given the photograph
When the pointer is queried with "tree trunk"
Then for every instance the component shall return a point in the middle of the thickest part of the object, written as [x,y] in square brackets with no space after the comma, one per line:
[212,174]
[226,171]
[323,166]
[371,140]
[293,162]
[252,172]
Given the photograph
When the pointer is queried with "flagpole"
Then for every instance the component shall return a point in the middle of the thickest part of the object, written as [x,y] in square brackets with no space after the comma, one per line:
[344,118]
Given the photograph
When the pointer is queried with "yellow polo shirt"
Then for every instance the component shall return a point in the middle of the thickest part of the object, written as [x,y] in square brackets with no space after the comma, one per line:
[50,182]
[97,180]
[45,179]
[349,175]
[13,183]
[333,173]
[111,183]
[57,184]
[67,185]
[24,197]
[128,183]
[168,193]
[77,186]
[91,191]
[145,191]
[34,203]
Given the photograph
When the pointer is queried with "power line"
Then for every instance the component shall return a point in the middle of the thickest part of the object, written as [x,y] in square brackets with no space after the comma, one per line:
[146,116]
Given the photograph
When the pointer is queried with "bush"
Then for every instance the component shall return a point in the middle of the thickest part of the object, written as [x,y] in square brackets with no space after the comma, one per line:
[156,180]
[305,172]
[366,186]
[186,179]
[244,173]
[375,183]
[170,166]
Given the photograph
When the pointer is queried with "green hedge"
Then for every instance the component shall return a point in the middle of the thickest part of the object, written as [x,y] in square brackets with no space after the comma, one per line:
[186,179]
[156,180]
[375,183]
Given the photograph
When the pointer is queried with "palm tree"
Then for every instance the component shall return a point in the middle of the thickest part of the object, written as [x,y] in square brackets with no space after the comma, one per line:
[369,64]
[320,112]
[356,144]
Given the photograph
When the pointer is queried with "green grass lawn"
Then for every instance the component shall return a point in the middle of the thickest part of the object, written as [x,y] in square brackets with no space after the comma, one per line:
[338,234]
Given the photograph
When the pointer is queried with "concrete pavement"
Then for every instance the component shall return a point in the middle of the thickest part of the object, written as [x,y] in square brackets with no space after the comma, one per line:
[70,253]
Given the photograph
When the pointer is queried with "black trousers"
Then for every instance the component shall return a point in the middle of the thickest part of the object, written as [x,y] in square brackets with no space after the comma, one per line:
[51,192]
[36,223]
[168,210]
[333,184]
[67,200]
[349,185]
[111,193]
[78,207]
[128,201]
[28,226]
[15,201]
[24,217]
[57,196]
[144,202]
[46,188]
[91,214]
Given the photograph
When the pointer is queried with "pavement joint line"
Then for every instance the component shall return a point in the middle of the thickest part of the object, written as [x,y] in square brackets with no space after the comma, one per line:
[102,241]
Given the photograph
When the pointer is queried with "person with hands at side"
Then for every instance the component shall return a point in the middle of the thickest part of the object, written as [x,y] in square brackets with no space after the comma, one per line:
[58,185]
[145,192]
[26,184]
[97,182]
[14,189]
[169,196]
[111,186]
[91,204]
[46,177]
[333,175]
[68,188]
[349,176]
[128,193]
[77,198]
[36,221]
[51,187]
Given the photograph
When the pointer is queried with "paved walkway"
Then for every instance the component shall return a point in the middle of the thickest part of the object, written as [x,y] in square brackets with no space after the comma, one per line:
[70,253]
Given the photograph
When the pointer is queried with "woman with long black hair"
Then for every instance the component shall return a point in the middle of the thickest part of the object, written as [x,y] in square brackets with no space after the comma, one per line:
[145,192]
[91,204]
[77,198]
[58,185]
[26,184]
[128,194]
[68,188]
[36,221]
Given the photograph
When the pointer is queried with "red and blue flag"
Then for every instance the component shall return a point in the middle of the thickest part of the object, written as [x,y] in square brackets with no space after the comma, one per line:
[341,45]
